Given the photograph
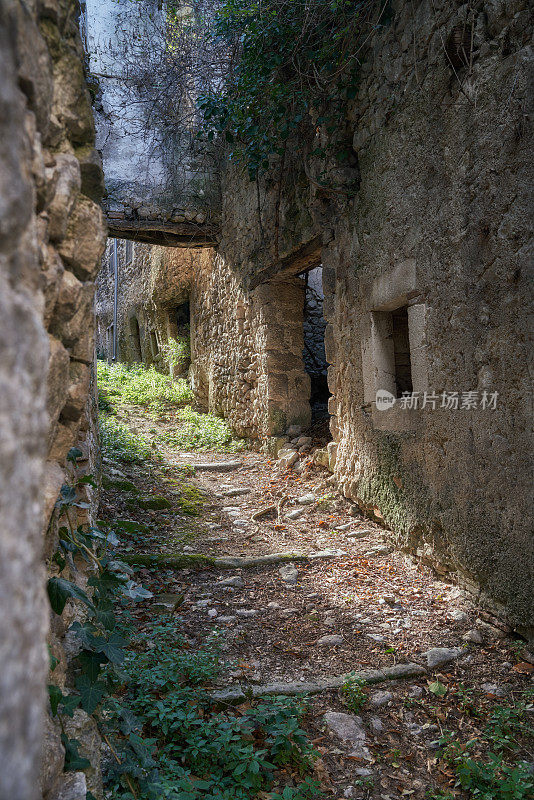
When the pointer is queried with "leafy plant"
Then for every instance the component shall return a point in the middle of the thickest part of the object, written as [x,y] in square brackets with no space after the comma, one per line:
[195,431]
[118,442]
[196,750]
[177,352]
[101,645]
[353,693]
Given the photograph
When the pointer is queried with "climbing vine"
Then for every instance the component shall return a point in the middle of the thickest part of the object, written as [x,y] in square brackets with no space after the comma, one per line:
[293,67]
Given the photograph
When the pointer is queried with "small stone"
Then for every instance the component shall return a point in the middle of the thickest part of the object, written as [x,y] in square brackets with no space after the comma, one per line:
[304,441]
[350,730]
[389,599]
[296,513]
[330,640]
[235,492]
[273,604]
[492,688]
[212,612]
[378,699]
[306,499]
[288,573]
[376,725]
[247,613]
[375,637]
[234,580]
[473,636]
[416,691]
[458,616]
[227,619]
[437,656]
[288,460]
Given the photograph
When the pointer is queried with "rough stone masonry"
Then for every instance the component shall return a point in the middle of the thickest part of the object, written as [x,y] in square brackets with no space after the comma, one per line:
[52,235]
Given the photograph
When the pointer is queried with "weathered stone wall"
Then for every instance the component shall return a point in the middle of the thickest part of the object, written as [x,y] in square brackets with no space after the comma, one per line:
[246,350]
[51,239]
[436,232]
[439,224]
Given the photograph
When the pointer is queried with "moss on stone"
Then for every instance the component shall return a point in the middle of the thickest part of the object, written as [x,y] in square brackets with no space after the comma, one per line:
[193,561]
[123,486]
[156,503]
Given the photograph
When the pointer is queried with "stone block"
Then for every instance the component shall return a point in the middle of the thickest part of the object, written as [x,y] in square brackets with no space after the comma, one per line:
[85,240]
[66,176]
[57,383]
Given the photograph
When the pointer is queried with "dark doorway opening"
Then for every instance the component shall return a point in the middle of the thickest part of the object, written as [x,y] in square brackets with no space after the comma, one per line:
[313,354]
[401,350]
[181,315]
[135,334]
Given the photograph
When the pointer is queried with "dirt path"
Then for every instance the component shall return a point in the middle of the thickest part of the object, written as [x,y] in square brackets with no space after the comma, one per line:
[358,606]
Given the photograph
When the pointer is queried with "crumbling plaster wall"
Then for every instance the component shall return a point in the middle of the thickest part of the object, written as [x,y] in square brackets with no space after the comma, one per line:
[51,239]
[439,221]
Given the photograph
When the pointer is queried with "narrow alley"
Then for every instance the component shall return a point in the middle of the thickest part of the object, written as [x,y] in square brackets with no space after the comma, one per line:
[275,588]
[266,400]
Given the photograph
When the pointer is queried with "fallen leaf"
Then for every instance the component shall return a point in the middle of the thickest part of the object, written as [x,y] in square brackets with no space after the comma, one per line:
[523,668]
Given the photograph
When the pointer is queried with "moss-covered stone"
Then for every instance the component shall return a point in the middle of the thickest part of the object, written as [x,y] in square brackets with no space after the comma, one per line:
[156,503]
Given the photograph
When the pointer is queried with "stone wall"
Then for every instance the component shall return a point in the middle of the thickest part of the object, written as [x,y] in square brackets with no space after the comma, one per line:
[51,239]
[425,278]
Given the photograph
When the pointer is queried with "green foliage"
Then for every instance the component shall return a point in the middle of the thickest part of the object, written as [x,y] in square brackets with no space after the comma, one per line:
[176,352]
[195,431]
[142,386]
[117,442]
[296,69]
[101,645]
[499,774]
[353,693]
[175,744]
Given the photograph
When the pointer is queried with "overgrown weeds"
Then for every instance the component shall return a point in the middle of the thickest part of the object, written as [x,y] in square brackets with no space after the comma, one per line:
[121,386]
[494,765]
[141,386]
[187,748]
[118,442]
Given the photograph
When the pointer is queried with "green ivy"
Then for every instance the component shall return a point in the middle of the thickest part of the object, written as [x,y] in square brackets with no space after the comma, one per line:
[296,68]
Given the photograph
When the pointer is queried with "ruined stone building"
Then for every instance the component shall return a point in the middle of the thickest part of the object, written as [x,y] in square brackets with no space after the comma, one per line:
[284,303]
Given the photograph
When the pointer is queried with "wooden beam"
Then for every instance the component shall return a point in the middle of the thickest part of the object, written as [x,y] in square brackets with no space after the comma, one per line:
[167,234]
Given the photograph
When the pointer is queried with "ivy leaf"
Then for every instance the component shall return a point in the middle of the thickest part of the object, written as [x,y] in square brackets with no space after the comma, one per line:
[113,648]
[135,591]
[69,704]
[73,760]
[91,692]
[55,695]
[106,618]
[87,634]
[67,495]
[437,688]
[86,480]
[91,663]
[60,590]
[74,454]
